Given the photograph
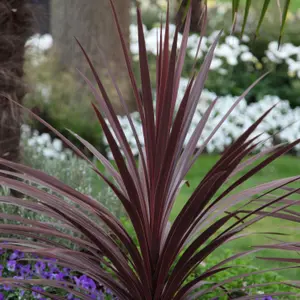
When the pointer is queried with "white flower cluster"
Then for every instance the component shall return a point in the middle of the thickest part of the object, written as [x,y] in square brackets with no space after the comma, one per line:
[42,153]
[229,52]
[37,46]
[43,144]
[40,43]
[286,53]
[282,121]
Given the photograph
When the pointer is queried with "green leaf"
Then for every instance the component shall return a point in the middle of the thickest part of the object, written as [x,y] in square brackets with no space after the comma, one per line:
[262,15]
[284,16]
[247,9]
[235,7]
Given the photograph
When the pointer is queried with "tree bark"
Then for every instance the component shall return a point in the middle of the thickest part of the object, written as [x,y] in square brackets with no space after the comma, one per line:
[16,21]
[197,14]
[91,22]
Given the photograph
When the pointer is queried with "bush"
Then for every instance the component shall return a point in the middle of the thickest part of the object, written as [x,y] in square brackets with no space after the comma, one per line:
[281,125]
[53,95]
[43,153]
[235,66]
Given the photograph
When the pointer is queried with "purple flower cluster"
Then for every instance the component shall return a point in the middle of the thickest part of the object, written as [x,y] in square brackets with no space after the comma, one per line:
[14,265]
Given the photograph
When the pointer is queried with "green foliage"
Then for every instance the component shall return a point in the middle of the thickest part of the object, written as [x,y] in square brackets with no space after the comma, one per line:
[278,82]
[54,97]
[243,265]
[74,172]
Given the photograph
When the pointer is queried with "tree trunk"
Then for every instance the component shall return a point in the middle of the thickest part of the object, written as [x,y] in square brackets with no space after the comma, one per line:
[91,22]
[16,21]
[197,14]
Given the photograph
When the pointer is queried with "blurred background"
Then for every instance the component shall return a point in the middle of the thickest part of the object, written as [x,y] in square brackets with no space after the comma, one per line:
[60,96]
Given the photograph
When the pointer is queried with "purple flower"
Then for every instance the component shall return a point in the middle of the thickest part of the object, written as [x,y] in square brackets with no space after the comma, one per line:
[21,293]
[89,284]
[54,270]
[16,254]
[77,281]
[101,295]
[6,287]
[2,296]
[60,276]
[35,292]
[40,267]
[67,271]
[46,275]
[11,265]
[52,263]
[25,270]
[108,292]
[97,295]
[72,297]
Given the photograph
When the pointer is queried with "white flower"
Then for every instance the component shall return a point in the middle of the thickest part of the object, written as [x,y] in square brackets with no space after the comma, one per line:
[273,46]
[271,56]
[31,142]
[57,145]
[63,156]
[25,128]
[43,139]
[192,53]
[260,292]
[50,153]
[40,42]
[232,41]
[283,53]
[294,66]
[223,50]
[44,90]
[134,48]
[232,61]
[247,56]
[222,71]
[244,48]
[216,63]
[193,41]
[46,42]
[245,38]
[213,36]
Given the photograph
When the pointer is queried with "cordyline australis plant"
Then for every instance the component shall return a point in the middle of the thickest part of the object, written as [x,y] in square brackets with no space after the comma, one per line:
[153,269]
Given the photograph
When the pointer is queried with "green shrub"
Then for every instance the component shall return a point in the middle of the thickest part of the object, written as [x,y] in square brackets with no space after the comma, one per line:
[54,97]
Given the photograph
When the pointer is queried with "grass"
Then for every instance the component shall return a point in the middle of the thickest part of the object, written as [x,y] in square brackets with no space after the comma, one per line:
[285,166]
